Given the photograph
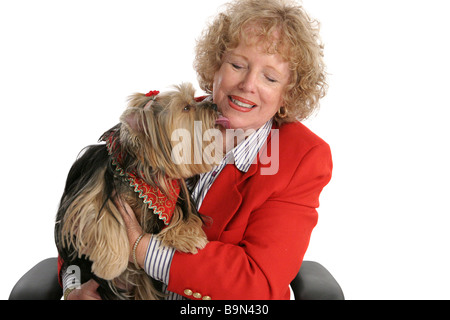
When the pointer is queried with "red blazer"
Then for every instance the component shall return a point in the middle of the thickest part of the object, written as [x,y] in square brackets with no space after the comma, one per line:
[261,224]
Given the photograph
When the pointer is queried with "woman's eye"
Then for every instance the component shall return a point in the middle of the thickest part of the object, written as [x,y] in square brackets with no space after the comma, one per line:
[271,79]
[236,66]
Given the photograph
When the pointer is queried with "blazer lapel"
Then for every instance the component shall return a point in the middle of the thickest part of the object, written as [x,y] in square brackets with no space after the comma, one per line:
[223,199]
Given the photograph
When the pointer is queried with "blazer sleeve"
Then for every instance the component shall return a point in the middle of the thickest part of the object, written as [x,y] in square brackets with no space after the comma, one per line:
[271,251]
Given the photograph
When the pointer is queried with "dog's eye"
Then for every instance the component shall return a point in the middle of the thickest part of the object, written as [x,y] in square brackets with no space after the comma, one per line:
[187,108]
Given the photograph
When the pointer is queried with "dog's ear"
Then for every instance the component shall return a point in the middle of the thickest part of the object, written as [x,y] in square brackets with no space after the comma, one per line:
[133,117]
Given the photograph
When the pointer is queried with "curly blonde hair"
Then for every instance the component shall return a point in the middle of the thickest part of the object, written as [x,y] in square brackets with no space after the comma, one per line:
[296,39]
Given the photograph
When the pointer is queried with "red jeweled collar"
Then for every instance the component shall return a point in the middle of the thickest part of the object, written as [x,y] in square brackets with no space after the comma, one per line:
[152,196]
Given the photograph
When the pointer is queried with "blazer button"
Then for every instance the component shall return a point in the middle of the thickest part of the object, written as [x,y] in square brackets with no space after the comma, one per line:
[188,292]
[197,295]
[206,298]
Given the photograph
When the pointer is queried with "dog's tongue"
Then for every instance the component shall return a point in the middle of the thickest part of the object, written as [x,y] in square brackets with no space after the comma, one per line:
[224,122]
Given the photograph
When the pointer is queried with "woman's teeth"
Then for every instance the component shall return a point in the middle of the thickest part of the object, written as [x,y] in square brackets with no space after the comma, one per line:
[241,104]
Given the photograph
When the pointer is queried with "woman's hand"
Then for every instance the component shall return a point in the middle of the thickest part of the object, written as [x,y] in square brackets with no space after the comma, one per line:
[134,230]
[87,291]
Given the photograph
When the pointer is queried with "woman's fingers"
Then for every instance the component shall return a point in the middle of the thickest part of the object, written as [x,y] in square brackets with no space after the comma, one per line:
[87,291]
[134,229]
[125,211]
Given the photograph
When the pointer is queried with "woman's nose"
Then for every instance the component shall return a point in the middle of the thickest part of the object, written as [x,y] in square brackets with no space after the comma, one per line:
[248,82]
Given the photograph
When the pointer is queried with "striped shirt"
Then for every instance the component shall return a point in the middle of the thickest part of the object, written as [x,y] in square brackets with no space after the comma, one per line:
[159,257]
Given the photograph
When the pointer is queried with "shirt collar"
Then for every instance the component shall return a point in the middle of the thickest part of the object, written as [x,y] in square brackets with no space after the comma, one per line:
[244,154]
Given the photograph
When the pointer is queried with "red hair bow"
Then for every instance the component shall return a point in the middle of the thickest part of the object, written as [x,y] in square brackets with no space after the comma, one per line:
[152,93]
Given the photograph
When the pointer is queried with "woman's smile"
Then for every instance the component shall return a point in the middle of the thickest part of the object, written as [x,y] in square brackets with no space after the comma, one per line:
[241,104]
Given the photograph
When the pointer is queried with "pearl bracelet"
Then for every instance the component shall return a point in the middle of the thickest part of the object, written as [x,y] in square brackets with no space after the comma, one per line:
[136,243]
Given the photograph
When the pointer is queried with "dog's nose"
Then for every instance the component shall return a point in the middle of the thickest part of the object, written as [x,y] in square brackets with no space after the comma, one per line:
[214,107]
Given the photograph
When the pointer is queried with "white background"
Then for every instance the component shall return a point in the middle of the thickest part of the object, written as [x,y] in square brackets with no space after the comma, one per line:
[66,68]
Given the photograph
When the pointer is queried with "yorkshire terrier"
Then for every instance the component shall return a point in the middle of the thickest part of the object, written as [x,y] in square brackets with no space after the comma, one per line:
[137,162]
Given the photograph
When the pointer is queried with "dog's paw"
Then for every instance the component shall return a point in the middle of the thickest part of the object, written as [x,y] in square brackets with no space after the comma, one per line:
[200,243]
[195,245]
[187,237]
[191,244]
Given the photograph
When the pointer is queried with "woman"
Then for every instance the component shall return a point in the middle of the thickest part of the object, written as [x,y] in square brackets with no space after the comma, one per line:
[261,61]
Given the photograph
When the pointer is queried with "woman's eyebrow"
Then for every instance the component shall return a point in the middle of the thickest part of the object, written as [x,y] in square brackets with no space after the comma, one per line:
[232,54]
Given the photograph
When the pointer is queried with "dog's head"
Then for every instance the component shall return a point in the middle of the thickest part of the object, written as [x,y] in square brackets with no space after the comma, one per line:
[172,132]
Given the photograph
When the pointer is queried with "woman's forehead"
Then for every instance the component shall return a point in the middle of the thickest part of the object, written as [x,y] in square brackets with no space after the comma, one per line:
[269,41]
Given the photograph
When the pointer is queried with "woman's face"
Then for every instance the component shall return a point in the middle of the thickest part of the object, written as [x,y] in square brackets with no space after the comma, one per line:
[249,86]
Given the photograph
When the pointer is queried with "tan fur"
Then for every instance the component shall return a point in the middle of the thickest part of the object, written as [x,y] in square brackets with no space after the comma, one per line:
[93,225]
